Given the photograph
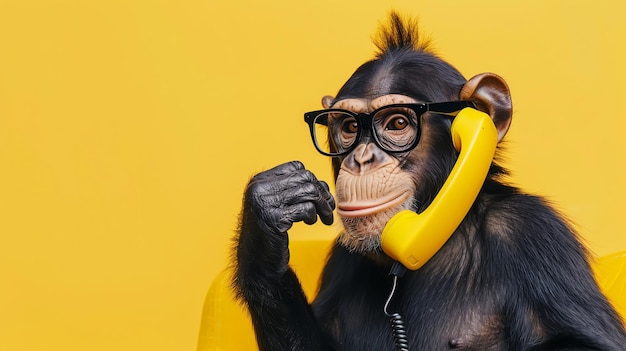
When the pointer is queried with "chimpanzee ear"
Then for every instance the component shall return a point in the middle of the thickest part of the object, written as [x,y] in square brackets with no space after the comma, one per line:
[327,101]
[491,95]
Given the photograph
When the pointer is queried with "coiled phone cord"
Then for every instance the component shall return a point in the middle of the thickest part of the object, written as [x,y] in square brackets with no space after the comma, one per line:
[397,325]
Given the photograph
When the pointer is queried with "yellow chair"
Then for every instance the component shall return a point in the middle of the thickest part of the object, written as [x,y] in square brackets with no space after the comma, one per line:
[610,273]
[226,325]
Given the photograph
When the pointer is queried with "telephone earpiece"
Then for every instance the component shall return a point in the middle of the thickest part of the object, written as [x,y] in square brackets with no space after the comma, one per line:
[411,238]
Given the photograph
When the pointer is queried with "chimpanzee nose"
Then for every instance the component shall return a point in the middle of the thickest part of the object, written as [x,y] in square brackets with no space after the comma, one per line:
[364,155]
[364,158]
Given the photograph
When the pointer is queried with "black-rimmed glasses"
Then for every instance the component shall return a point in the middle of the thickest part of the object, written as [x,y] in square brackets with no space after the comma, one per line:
[394,128]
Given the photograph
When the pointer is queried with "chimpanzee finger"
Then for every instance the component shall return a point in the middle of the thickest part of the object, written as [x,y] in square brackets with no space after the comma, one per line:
[301,193]
[303,211]
[327,194]
[315,192]
[280,170]
[278,183]
[326,215]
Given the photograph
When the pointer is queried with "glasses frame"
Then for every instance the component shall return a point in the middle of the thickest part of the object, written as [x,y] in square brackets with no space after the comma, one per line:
[365,120]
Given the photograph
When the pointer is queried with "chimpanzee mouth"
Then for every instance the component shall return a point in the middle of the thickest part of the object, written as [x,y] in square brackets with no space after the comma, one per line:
[366,208]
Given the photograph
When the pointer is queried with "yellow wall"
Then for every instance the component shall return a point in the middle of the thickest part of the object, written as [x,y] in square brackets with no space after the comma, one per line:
[129,128]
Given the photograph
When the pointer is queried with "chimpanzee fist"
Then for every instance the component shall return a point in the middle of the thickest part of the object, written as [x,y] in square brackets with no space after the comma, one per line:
[286,194]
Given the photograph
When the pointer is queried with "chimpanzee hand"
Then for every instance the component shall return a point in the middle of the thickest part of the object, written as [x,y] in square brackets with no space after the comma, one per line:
[286,194]
[273,201]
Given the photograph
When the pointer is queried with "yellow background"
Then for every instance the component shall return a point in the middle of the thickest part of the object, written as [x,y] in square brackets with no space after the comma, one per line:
[129,128]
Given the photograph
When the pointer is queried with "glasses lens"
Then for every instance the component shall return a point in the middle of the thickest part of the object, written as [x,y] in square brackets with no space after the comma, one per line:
[335,131]
[396,128]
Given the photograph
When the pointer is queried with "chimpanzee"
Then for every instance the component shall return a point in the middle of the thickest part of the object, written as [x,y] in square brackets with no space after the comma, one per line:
[513,276]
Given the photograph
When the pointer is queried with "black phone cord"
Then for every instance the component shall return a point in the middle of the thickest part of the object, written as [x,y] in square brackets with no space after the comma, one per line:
[397,325]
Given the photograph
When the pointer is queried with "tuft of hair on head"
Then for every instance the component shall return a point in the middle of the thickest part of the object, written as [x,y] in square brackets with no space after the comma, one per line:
[400,33]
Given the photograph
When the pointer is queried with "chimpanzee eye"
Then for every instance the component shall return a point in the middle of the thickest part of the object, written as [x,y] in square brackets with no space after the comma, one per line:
[397,123]
[349,125]
[395,128]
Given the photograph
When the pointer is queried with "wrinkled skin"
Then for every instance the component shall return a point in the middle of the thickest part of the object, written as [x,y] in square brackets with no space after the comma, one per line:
[371,184]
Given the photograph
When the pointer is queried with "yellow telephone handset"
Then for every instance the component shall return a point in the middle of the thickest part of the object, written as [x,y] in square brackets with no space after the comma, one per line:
[411,238]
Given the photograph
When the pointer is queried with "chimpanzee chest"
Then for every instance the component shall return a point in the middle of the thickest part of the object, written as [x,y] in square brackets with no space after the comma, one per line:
[453,324]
